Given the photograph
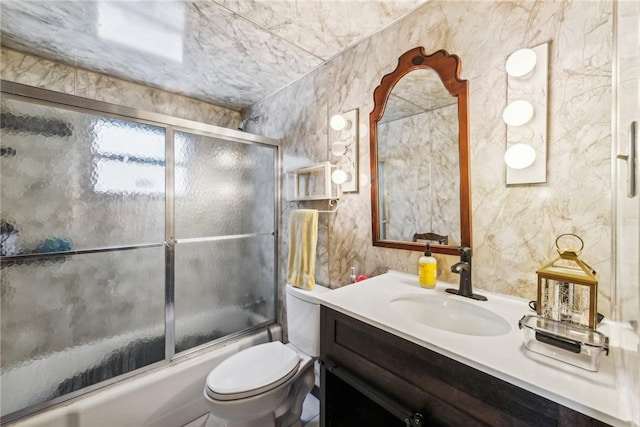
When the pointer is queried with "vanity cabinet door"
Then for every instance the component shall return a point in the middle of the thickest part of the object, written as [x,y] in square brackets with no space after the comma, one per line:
[445,391]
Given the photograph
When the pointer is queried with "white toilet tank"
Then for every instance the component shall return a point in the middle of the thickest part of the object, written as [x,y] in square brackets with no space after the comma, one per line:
[303,318]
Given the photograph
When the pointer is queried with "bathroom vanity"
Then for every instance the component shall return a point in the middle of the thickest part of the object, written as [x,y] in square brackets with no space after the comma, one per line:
[383,365]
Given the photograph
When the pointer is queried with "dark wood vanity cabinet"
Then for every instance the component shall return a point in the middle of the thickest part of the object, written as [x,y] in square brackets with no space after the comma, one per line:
[371,378]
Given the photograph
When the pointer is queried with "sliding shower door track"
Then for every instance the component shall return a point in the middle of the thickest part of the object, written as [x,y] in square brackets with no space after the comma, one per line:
[45,255]
[229,237]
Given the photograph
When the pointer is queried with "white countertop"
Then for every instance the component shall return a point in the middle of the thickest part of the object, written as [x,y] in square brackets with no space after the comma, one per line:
[595,394]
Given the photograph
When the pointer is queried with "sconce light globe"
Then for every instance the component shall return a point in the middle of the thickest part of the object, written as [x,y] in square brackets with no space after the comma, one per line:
[337,122]
[521,63]
[339,176]
[520,156]
[518,113]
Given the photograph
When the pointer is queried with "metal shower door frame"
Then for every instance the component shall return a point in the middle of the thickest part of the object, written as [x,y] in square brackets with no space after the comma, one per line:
[45,97]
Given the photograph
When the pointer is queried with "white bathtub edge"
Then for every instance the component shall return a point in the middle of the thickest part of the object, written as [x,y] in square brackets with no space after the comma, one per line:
[168,396]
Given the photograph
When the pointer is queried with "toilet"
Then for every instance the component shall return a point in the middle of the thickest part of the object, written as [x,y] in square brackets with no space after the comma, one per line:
[265,385]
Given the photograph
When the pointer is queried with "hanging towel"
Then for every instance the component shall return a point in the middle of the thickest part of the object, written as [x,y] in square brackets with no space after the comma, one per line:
[303,237]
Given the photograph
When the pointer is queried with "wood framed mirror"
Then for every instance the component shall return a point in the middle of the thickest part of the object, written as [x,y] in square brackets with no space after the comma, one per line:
[419,130]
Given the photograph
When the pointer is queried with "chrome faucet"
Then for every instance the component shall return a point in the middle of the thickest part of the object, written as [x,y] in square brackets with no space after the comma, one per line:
[463,268]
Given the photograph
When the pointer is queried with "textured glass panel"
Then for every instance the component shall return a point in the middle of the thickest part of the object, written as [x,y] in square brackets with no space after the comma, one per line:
[69,322]
[223,287]
[78,181]
[230,187]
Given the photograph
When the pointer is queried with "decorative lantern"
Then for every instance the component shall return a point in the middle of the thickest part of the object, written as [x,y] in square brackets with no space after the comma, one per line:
[568,287]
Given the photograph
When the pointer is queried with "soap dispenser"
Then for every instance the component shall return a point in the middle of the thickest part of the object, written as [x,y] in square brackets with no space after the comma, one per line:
[427,268]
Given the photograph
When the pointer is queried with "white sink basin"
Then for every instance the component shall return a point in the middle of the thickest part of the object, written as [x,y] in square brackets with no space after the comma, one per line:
[450,313]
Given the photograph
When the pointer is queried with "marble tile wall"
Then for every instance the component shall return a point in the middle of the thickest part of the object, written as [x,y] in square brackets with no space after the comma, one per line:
[514,228]
[34,71]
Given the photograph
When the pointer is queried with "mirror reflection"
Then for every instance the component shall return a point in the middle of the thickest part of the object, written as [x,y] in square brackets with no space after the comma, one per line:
[419,155]
[418,166]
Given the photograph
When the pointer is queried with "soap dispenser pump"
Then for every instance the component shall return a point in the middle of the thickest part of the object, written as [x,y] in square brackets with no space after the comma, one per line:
[427,269]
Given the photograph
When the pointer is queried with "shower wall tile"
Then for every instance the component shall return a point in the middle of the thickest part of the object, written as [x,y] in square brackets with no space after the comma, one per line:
[30,70]
[33,71]
[116,91]
[514,228]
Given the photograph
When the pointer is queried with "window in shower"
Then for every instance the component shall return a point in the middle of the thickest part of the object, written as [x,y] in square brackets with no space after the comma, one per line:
[126,159]
[109,223]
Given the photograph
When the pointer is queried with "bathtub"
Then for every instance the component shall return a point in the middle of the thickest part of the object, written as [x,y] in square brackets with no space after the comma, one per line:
[169,395]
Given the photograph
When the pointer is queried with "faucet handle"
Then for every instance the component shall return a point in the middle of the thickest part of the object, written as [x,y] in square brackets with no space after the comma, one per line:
[465,254]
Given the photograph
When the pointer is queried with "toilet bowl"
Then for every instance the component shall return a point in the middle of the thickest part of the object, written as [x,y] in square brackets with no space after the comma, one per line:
[265,385]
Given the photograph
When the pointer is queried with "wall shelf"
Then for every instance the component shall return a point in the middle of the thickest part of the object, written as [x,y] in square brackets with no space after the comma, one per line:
[311,183]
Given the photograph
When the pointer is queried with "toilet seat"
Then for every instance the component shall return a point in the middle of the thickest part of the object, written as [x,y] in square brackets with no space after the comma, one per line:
[253,371]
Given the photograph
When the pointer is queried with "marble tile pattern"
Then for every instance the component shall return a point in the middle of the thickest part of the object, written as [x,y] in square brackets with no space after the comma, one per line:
[514,228]
[231,53]
[31,70]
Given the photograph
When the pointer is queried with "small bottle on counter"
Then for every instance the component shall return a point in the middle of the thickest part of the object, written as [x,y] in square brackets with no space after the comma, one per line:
[352,276]
[427,269]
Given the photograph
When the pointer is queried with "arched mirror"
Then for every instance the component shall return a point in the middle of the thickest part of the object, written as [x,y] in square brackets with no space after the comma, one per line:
[420,155]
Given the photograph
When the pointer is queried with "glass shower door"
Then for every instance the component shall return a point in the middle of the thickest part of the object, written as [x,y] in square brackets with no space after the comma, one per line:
[225,222]
[82,244]
[121,231]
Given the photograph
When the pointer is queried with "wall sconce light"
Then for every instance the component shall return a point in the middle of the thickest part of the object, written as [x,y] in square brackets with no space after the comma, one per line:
[520,156]
[518,113]
[526,116]
[521,62]
[344,134]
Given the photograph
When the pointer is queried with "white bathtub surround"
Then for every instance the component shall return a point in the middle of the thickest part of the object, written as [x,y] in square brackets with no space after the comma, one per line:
[168,396]
[601,395]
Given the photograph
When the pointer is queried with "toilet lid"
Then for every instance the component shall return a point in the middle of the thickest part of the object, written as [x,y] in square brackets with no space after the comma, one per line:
[252,371]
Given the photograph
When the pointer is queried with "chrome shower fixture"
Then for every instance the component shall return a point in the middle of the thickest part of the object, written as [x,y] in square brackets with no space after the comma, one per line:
[243,122]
